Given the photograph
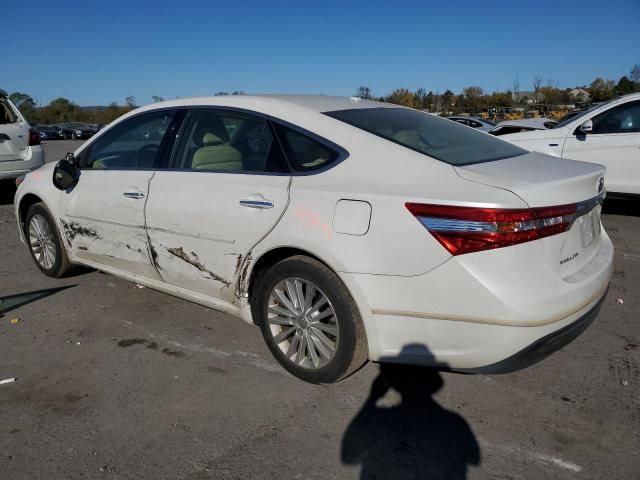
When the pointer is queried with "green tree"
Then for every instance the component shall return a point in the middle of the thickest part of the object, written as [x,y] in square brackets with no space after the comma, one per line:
[25,104]
[625,86]
[364,92]
[601,90]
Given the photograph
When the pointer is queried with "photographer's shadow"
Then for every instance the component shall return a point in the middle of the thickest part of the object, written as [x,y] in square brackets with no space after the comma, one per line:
[410,437]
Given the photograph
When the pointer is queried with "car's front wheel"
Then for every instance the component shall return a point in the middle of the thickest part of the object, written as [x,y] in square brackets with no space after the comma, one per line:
[309,321]
[44,242]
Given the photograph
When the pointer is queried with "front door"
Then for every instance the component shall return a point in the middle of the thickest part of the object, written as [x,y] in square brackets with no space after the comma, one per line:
[614,143]
[227,188]
[103,215]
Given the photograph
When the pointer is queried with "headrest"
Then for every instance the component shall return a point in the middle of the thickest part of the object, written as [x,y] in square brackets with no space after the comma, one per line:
[208,127]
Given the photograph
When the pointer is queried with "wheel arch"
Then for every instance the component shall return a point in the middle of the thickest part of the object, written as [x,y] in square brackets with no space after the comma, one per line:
[267,260]
[25,203]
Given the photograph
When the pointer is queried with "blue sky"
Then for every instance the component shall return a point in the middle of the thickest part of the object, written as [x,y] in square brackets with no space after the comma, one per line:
[100,52]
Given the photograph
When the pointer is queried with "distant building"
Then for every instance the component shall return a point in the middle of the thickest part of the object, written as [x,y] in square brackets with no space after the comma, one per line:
[579,95]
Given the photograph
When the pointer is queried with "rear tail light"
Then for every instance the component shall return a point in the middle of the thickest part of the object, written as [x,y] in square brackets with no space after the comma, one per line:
[34,138]
[467,229]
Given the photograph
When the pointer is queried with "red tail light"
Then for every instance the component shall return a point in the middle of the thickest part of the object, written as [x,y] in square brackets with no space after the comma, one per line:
[34,138]
[467,229]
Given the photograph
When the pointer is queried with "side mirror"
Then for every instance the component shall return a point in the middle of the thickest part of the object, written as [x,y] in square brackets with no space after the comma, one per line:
[586,127]
[65,173]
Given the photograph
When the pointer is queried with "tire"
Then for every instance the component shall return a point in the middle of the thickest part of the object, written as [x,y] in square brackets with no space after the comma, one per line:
[38,224]
[336,321]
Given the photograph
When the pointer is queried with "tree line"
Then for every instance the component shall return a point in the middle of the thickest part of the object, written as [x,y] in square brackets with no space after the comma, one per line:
[472,99]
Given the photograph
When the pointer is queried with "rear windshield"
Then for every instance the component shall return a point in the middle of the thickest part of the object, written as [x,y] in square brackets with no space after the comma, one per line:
[436,137]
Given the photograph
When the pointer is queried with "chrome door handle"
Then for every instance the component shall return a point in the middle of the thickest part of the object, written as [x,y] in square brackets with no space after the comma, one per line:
[136,195]
[254,203]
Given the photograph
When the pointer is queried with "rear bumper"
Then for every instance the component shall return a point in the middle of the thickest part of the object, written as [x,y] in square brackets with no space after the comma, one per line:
[470,315]
[14,168]
[542,348]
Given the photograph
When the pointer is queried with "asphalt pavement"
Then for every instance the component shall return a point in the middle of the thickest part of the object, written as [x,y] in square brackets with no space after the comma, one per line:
[114,381]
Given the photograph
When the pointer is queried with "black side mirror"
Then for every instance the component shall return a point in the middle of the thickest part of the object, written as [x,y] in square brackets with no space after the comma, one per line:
[65,174]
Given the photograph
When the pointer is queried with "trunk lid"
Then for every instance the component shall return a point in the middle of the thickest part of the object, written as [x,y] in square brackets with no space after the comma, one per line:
[544,181]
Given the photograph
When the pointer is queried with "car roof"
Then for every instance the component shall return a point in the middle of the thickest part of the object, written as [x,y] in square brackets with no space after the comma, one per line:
[527,122]
[271,102]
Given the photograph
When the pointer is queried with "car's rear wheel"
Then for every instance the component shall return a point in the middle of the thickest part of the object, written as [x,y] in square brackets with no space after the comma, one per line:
[309,321]
[44,242]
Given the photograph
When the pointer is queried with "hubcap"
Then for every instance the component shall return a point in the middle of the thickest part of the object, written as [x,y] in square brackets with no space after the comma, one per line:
[41,241]
[303,323]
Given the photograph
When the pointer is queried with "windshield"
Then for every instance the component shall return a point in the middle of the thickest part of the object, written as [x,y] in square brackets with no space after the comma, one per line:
[436,137]
[566,121]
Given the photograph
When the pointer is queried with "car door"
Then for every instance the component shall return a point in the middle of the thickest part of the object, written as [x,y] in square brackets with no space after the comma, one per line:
[614,143]
[227,188]
[14,132]
[103,215]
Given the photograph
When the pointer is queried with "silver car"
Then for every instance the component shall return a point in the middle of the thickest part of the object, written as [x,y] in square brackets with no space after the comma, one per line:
[475,122]
[20,149]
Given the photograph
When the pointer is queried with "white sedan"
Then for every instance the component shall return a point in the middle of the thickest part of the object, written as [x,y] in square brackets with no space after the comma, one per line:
[346,229]
[608,134]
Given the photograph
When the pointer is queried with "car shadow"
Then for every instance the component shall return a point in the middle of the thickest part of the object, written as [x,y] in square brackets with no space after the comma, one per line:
[7,192]
[411,436]
[11,302]
[628,206]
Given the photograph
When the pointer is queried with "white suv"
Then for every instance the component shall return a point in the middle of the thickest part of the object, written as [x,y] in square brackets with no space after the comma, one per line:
[20,149]
[608,134]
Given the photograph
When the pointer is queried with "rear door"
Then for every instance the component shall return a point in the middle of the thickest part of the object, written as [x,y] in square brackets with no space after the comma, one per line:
[103,215]
[614,143]
[14,132]
[227,188]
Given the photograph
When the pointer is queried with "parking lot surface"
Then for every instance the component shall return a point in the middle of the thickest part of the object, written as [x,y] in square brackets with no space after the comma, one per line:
[119,382]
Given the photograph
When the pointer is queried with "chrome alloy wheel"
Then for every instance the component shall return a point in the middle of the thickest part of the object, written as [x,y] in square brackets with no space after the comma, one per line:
[41,241]
[303,323]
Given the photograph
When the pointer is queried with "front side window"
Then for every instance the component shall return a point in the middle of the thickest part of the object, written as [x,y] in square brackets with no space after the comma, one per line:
[225,141]
[621,119]
[430,135]
[132,144]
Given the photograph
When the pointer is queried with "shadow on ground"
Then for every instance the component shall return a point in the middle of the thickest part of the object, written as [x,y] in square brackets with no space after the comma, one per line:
[7,192]
[629,206]
[10,302]
[409,435]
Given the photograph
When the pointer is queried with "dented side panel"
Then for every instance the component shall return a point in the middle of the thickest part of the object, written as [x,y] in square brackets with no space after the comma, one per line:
[101,225]
[202,236]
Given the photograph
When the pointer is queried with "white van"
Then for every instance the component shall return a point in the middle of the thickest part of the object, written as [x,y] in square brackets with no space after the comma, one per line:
[20,149]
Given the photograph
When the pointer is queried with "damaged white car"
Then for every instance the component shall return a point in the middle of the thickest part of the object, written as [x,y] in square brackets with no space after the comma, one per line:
[347,229]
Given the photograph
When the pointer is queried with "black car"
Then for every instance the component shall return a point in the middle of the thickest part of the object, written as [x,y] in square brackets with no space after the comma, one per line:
[76,130]
[48,132]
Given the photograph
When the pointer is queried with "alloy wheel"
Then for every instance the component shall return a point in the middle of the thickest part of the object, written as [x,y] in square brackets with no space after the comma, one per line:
[42,242]
[303,323]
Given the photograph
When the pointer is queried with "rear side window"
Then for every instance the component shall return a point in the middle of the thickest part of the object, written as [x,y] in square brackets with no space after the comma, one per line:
[7,115]
[436,137]
[228,142]
[304,153]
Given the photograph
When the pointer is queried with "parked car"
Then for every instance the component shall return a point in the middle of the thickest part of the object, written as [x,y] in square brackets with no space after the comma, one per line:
[475,122]
[76,130]
[20,149]
[523,125]
[346,229]
[608,133]
[48,132]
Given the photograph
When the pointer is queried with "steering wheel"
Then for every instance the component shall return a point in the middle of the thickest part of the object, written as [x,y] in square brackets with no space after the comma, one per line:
[143,152]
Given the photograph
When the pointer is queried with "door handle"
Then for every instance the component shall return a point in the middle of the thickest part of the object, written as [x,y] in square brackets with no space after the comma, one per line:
[256,203]
[136,195]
